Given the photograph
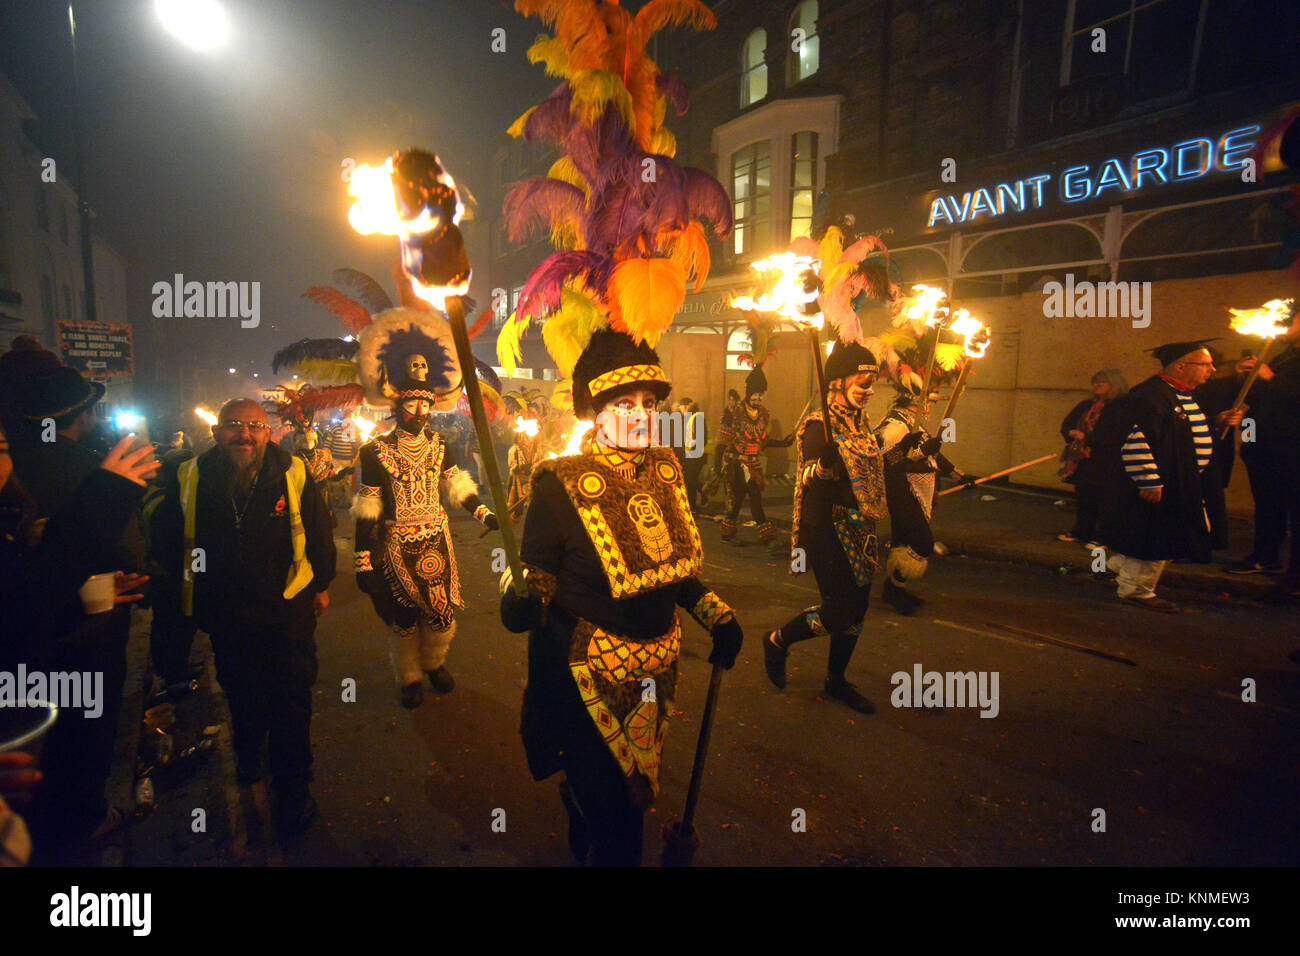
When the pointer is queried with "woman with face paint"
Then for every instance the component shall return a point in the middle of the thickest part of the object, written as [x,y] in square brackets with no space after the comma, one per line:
[610,551]
[404,559]
[839,497]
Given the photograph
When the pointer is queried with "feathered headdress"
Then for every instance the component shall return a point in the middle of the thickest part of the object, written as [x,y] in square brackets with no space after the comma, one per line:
[626,220]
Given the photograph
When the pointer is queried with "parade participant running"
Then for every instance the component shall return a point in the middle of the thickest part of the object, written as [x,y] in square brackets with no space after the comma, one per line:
[247,527]
[912,459]
[610,550]
[839,496]
[404,559]
[746,436]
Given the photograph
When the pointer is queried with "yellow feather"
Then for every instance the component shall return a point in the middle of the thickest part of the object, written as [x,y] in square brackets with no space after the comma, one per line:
[593,90]
[327,371]
[690,250]
[645,295]
[508,351]
[947,356]
[551,51]
[567,331]
[517,127]
[564,170]
[663,142]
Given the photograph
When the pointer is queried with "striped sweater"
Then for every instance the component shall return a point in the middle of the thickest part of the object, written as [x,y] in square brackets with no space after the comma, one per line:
[1141,464]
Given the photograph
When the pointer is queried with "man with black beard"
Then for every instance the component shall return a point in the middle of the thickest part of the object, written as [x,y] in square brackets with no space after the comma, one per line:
[249,532]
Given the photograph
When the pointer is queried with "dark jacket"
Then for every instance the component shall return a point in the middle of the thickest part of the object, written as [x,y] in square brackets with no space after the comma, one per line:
[1174,527]
[242,585]
[1275,407]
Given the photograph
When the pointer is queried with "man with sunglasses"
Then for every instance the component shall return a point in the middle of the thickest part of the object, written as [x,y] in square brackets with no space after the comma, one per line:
[251,535]
[1152,446]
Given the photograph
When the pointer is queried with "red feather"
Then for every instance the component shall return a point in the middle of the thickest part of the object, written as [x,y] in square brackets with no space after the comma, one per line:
[480,323]
[351,312]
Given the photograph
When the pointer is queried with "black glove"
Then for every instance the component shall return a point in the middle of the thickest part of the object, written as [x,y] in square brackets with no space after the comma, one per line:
[911,441]
[931,446]
[521,612]
[829,457]
[490,522]
[368,581]
[968,480]
[727,639]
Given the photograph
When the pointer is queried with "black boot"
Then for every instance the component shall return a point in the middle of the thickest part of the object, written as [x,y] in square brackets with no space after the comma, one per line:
[295,811]
[441,680]
[774,657]
[413,695]
[842,690]
[898,598]
[579,838]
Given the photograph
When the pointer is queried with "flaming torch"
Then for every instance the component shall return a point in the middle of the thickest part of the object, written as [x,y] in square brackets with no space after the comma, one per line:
[205,416]
[1268,322]
[794,296]
[976,343]
[573,439]
[364,426]
[412,196]
[526,426]
[933,306]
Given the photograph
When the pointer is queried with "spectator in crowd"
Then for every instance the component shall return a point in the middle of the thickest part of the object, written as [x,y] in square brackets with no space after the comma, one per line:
[268,550]
[1077,466]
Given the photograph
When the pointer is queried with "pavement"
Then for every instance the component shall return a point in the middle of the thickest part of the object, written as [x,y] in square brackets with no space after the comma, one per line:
[1102,706]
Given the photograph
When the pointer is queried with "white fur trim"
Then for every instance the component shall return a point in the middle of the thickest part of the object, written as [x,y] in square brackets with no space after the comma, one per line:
[909,565]
[434,645]
[459,486]
[367,507]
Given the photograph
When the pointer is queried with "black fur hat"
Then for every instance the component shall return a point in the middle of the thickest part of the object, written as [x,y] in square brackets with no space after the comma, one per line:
[613,363]
[849,358]
[755,382]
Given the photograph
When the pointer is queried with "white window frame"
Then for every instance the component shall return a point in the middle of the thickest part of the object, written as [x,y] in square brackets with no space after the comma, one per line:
[746,70]
[792,59]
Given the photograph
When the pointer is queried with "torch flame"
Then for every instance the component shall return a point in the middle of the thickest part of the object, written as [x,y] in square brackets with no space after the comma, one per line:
[526,426]
[789,296]
[573,439]
[973,331]
[365,427]
[926,305]
[1268,321]
[376,211]
[206,416]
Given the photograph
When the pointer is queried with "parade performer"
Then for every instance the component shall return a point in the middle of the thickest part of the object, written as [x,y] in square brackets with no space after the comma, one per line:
[404,558]
[912,461]
[529,447]
[839,497]
[610,548]
[745,437]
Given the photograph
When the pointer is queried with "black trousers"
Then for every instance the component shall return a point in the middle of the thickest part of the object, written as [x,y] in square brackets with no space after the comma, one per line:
[1089,507]
[267,675]
[908,525]
[843,607]
[1272,484]
[171,637]
[614,825]
[77,759]
[692,468]
[740,489]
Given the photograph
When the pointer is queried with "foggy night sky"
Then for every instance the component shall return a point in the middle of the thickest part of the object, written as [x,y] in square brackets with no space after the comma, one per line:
[226,165]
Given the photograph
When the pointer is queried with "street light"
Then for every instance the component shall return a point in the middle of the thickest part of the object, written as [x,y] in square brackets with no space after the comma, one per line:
[200,24]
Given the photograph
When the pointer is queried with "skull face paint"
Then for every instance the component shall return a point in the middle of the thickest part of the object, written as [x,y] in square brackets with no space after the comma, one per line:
[417,367]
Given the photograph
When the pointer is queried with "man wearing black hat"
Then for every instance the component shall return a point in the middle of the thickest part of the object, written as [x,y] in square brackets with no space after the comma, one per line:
[745,436]
[1153,446]
[839,496]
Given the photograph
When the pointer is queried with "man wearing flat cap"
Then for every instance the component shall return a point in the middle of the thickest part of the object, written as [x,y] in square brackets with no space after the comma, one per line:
[1153,446]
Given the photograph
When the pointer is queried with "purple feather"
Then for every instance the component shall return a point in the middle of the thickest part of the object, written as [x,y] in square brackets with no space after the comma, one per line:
[305,349]
[707,200]
[590,148]
[541,293]
[551,120]
[672,86]
[541,199]
[363,288]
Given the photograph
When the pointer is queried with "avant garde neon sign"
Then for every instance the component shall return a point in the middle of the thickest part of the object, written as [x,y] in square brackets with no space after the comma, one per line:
[1182,162]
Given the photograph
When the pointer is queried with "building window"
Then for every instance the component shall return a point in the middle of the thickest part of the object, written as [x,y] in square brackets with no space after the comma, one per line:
[739,347]
[47,299]
[1150,43]
[751,190]
[42,210]
[803,183]
[753,68]
[805,45]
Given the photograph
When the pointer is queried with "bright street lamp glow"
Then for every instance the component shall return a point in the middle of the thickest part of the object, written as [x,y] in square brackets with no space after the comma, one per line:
[200,24]
[127,420]
[231,371]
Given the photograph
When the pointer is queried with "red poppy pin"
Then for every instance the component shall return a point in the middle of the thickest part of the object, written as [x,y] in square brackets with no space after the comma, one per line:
[279,505]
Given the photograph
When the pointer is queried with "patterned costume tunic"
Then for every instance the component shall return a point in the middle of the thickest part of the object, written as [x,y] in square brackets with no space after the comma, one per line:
[744,434]
[319,462]
[611,545]
[411,545]
[900,437]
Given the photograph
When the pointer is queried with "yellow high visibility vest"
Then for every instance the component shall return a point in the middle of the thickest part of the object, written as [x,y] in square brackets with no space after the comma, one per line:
[300,572]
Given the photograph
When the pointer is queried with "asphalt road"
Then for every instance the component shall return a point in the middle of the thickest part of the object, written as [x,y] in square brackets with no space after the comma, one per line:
[1183,770]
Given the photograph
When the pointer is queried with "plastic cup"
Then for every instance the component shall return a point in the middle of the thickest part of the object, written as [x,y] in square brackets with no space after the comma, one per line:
[97,594]
[24,728]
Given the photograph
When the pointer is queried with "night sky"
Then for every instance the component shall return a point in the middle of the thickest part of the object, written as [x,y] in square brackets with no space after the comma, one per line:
[226,165]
